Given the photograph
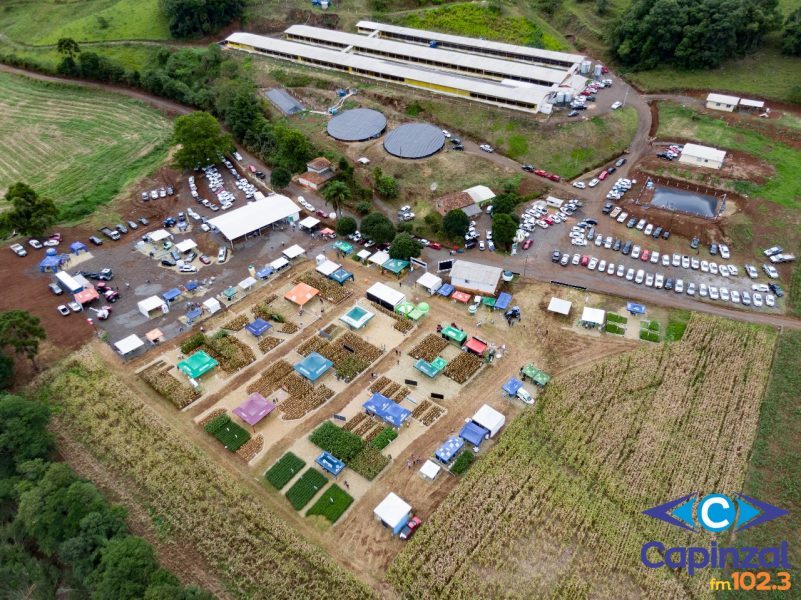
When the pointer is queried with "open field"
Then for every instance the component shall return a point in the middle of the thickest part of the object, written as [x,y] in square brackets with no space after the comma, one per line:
[554,510]
[130,56]
[78,146]
[250,546]
[45,21]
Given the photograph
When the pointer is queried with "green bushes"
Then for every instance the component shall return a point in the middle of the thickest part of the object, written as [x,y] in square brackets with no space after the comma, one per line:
[305,488]
[383,439]
[462,462]
[332,504]
[228,433]
[369,462]
[284,470]
[342,444]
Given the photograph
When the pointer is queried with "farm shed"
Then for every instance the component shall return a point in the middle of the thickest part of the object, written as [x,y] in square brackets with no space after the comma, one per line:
[476,346]
[343,247]
[431,369]
[747,104]
[363,255]
[212,305]
[462,297]
[283,101]
[593,316]
[702,156]
[50,263]
[258,327]
[314,366]
[430,282]
[229,293]
[265,272]
[129,344]
[68,282]
[393,512]
[252,218]
[503,301]
[722,102]
[301,294]
[445,290]
[197,365]
[384,295]
[430,470]
[86,295]
[154,336]
[559,306]
[254,409]
[490,419]
[475,278]
[293,252]
[511,386]
[473,434]
[247,283]
[448,450]
[148,305]
[395,265]
[480,193]
[387,410]
[330,463]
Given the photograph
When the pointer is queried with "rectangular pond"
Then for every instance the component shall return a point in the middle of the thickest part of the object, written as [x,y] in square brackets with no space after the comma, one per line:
[686,202]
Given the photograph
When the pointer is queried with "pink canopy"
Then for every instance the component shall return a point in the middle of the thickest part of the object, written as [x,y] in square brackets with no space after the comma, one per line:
[461,297]
[254,409]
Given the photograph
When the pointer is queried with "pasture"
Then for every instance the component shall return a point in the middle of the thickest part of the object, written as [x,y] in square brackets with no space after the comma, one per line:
[78,146]
[555,509]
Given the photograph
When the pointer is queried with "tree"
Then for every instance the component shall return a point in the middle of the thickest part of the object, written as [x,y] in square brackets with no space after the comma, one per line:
[6,371]
[378,228]
[29,214]
[434,221]
[504,229]
[346,225]
[336,194]
[385,185]
[280,178]
[791,34]
[404,247]
[23,432]
[363,207]
[201,138]
[68,47]
[126,569]
[456,223]
[191,18]
[505,203]
[21,331]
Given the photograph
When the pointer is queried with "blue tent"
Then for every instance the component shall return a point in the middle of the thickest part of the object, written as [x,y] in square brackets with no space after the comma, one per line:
[473,434]
[191,285]
[50,263]
[502,303]
[511,386]
[635,309]
[313,366]
[449,449]
[171,295]
[384,408]
[330,463]
[78,247]
[194,314]
[258,327]
[265,272]
[341,275]
[446,290]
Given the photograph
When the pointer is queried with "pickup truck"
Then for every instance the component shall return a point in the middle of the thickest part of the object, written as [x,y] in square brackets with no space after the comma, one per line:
[110,233]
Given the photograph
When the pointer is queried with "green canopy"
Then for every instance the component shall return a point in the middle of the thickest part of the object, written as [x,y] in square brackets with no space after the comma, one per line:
[537,376]
[488,301]
[404,308]
[343,247]
[230,292]
[395,265]
[197,364]
[416,314]
[423,307]
[453,334]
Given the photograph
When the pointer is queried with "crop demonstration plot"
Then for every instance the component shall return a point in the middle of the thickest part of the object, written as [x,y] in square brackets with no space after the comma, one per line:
[554,510]
[331,504]
[78,146]
[285,469]
[305,488]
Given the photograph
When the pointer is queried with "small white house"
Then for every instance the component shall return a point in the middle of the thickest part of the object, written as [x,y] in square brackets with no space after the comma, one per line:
[489,418]
[153,306]
[722,102]
[702,156]
[393,512]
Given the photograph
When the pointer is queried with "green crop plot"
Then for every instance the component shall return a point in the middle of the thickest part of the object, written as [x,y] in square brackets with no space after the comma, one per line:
[285,469]
[332,504]
[304,489]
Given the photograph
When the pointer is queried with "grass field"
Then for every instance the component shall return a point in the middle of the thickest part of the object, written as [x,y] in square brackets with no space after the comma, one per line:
[784,188]
[80,147]
[554,510]
[285,469]
[332,504]
[45,21]
[224,520]
[130,56]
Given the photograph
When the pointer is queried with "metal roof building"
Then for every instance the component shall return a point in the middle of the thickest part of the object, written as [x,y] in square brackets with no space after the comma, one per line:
[722,102]
[255,216]
[702,156]
[475,277]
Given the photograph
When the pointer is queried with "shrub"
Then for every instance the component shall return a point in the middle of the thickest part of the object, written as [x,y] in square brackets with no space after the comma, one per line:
[332,504]
[462,462]
[369,462]
[305,488]
[193,343]
[383,439]
[228,433]
[342,444]
[284,470]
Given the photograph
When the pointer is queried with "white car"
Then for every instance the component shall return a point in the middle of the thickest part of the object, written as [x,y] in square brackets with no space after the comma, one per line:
[703,291]
[187,269]
[592,264]
[621,271]
[75,306]
[446,133]
[704,266]
[676,260]
[18,250]
[655,257]
[695,263]
[770,271]
[685,262]
[36,244]
[576,259]
[635,252]
[579,184]
[640,224]
[770,300]
[691,289]
[482,245]
[610,270]
[760,287]
[608,242]
[617,105]
[757,300]
[659,281]
[601,266]
[666,260]
[752,272]
[735,296]
[723,270]
[593,182]
[679,287]
[205,227]
[640,276]
[648,229]
[724,251]
[621,218]
[649,279]
[713,293]
[746,299]
[599,240]
[487,148]
[630,275]
[488,235]
[734,271]
[222,255]
[724,294]
[713,267]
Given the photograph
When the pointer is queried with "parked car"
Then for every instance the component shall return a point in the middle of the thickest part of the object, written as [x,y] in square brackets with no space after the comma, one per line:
[55,288]
[487,148]
[35,244]
[616,105]
[18,250]
[222,255]
[121,228]
[410,527]
[776,289]
[95,240]
[63,310]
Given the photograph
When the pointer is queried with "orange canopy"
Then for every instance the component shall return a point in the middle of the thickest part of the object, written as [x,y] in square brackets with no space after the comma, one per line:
[153,335]
[86,295]
[301,294]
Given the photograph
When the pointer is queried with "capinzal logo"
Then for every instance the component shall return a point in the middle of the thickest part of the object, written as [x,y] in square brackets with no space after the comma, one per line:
[715,513]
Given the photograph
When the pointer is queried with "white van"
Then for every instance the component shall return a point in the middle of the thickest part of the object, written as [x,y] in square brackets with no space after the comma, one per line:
[222,254]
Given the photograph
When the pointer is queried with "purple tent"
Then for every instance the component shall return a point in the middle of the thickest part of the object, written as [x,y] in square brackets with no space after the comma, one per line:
[254,409]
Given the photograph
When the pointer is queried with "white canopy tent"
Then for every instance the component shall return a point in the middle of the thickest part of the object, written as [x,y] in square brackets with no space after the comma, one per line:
[279,263]
[255,216]
[247,283]
[379,258]
[595,316]
[364,254]
[185,245]
[489,418]
[430,470]
[129,344]
[392,511]
[384,295]
[158,235]
[309,223]
[152,303]
[430,282]
[559,306]
[293,252]
[327,267]
[212,305]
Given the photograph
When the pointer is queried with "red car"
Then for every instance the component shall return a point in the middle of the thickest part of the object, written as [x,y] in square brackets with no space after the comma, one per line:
[541,173]
[205,259]
[527,244]
[603,175]
[585,260]
[553,177]
[321,213]
[410,527]
[549,220]
[646,254]
[435,246]
[56,237]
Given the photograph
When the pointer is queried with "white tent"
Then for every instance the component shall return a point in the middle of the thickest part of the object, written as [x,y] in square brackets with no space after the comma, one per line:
[595,316]
[430,470]
[212,305]
[430,282]
[384,295]
[158,235]
[309,223]
[379,258]
[327,267]
[293,252]
[247,283]
[185,246]
[393,511]
[364,254]
[255,216]
[560,306]
[152,303]
[279,263]
[129,344]
[480,193]
[489,418]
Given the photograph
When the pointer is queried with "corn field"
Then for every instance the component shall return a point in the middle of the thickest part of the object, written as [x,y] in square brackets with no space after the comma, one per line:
[554,510]
[253,551]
